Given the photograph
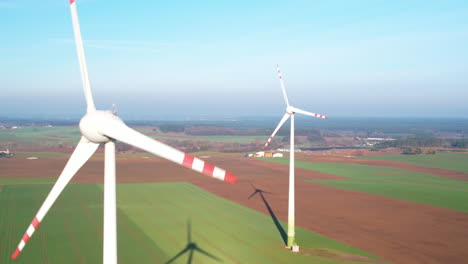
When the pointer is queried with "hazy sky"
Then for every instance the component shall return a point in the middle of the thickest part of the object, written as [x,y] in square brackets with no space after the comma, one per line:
[196,59]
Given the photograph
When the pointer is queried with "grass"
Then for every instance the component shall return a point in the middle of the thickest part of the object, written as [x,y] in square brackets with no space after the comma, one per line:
[236,139]
[152,227]
[220,139]
[448,161]
[392,182]
[14,181]
[70,135]
[42,136]
[218,154]
[70,233]
[42,154]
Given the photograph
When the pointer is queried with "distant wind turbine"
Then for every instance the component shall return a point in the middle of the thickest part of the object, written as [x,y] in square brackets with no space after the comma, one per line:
[104,127]
[290,112]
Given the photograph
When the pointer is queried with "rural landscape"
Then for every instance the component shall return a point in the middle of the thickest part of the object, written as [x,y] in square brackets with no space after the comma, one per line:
[354,204]
[192,146]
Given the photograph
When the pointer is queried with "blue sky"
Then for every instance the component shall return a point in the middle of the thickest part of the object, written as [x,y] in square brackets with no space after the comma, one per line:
[192,59]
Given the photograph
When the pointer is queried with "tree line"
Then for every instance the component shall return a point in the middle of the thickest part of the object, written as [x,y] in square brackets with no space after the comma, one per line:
[424,142]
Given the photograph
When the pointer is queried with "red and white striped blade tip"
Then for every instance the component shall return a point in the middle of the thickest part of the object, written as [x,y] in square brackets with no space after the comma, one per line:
[206,168]
[268,142]
[72,1]
[231,178]
[15,255]
[317,115]
[32,227]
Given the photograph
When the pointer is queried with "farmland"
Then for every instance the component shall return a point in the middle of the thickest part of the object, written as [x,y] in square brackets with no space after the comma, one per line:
[450,161]
[394,183]
[336,213]
[41,136]
[153,227]
[51,136]
[345,206]
[64,138]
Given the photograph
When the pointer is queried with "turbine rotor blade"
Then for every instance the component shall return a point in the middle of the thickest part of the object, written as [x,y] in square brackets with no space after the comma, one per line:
[121,132]
[207,254]
[285,96]
[81,58]
[190,256]
[283,120]
[253,194]
[82,153]
[177,255]
[255,191]
[297,110]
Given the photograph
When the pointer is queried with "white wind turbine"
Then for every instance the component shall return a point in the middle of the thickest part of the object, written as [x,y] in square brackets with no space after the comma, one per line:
[104,127]
[290,111]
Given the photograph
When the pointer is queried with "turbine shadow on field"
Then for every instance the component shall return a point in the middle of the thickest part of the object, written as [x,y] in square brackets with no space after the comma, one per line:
[278,225]
[191,247]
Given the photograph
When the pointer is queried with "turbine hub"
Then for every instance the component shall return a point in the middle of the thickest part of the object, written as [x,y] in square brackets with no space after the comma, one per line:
[290,110]
[92,123]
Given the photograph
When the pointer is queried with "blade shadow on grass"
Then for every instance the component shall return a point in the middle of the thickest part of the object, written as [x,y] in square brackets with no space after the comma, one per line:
[278,225]
[191,247]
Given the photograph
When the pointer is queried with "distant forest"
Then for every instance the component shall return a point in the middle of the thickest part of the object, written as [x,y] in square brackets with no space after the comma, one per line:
[397,126]
[424,142]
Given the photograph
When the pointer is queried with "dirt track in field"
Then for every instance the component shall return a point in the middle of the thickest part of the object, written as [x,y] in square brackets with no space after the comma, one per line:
[398,231]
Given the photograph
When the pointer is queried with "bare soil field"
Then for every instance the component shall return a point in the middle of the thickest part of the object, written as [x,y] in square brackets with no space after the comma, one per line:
[398,231]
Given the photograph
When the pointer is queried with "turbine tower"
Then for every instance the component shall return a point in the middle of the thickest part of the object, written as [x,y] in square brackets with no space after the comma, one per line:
[104,127]
[290,112]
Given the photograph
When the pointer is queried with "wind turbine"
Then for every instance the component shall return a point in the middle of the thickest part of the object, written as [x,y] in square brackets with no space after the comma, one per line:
[104,127]
[290,112]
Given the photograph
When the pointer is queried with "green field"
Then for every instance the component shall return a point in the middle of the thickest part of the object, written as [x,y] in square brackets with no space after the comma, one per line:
[42,136]
[448,161]
[54,136]
[392,182]
[152,227]
[42,154]
[14,181]
[221,139]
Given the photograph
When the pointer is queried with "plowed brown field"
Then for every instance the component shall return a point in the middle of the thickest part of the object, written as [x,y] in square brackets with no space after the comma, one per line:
[396,230]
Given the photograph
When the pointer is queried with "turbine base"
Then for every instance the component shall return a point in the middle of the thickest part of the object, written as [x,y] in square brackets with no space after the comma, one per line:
[291,241]
[295,248]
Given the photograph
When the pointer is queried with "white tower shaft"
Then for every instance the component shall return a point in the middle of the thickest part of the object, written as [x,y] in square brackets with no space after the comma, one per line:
[291,228]
[110,206]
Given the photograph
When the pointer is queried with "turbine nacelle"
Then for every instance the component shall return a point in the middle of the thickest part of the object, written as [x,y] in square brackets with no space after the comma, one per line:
[290,110]
[93,123]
